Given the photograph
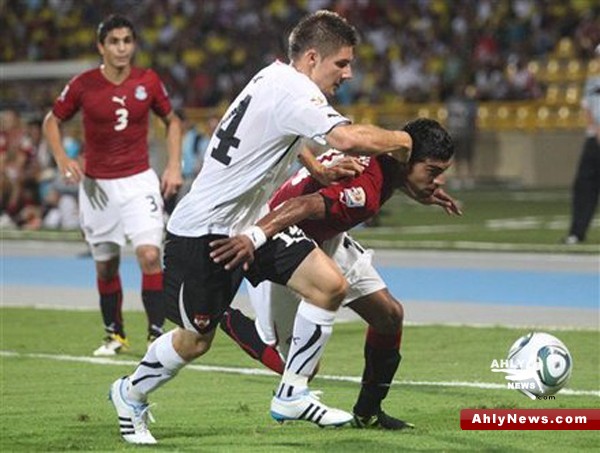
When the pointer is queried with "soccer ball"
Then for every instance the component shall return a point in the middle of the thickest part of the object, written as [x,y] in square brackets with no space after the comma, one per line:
[541,364]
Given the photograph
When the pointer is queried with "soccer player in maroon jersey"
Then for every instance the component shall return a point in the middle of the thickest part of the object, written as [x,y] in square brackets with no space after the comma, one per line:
[119,194]
[326,214]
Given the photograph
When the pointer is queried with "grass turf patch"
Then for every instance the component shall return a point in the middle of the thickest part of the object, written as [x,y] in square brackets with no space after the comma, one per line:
[50,404]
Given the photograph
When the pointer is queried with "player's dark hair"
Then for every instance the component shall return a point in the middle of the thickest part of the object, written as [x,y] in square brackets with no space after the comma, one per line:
[325,31]
[430,140]
[110,23]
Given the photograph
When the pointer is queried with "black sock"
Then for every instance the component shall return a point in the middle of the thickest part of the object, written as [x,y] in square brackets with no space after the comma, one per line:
[111,300]
[153,300]
[382,359]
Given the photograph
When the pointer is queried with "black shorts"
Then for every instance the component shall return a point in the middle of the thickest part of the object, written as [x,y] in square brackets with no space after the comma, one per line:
[198,291]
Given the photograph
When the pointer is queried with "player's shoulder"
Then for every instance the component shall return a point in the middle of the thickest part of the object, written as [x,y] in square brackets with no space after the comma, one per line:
[89,76]
[138,73]
[290,80]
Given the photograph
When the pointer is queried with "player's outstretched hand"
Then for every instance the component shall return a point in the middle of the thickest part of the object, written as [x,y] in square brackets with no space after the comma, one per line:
[233,251]
[441,198]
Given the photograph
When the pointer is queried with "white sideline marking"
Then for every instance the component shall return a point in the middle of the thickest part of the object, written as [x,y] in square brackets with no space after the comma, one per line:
[261,372]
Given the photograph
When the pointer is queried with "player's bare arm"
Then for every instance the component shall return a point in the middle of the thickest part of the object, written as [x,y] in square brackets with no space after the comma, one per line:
[171,179]
[369,139]
[239,249]
[348,167]
[68,168]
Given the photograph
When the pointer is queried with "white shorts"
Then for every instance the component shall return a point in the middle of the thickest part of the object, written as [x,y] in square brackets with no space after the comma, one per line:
[275,305]
[114,210]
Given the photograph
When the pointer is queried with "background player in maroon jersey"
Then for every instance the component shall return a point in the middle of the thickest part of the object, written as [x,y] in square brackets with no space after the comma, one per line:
[119,194]
[325,214]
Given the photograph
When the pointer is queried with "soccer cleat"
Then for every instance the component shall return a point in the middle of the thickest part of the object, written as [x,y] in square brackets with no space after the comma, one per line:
[153,333]
[380,421]
[571,240]
[133,417]
[306,406]
[113,344]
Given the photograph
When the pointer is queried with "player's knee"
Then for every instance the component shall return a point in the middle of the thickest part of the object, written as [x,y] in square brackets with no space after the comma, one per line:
[391,322]
[396,315]
[107,270]
[337,292]
[191,345]
[149,258]
[331,295]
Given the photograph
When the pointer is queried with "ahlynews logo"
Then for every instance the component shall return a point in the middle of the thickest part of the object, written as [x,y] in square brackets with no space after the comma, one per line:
[530,419]
[521,375]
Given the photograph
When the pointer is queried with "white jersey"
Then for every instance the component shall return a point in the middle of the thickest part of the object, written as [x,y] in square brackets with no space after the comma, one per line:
[249,153]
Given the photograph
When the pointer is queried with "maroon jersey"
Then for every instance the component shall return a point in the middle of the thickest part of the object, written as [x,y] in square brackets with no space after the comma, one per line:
[349,202]
[115,119]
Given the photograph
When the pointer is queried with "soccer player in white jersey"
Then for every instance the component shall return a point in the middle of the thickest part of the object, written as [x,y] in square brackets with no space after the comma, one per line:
[325,213]
[246,160]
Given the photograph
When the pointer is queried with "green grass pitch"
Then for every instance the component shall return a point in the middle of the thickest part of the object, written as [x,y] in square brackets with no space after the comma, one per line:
[53,400]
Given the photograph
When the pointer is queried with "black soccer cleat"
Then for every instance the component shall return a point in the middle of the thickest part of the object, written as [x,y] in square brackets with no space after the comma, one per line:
[380,420]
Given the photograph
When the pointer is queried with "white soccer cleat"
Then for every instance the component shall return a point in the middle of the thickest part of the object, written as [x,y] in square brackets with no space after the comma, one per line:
[306,406]
[133,417]
[112,345]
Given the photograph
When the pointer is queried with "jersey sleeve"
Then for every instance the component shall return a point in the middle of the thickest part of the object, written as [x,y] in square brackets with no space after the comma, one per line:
[352,202]
[69,100]
[308,115]
[161,105]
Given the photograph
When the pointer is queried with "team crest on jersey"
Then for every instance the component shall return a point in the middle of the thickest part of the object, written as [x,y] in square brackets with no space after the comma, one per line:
[202,321]
[354,197]
[140,93]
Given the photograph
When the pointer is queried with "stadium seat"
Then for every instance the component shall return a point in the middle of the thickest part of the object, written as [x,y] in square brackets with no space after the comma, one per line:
[553,94]
[564,48]
[575,71]
[573,94]
[552,71]
[593,67]
[534,67]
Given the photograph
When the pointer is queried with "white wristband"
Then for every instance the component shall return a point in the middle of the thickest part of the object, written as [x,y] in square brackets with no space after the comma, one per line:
[256,235]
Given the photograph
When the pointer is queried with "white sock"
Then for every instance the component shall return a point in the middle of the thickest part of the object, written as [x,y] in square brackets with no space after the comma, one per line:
[312,329]
[160,364]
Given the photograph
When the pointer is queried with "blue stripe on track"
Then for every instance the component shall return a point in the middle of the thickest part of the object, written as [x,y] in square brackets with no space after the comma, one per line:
[551,289]
[524,288]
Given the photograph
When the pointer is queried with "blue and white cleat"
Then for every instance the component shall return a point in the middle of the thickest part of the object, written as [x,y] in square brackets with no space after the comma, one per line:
[133,417]
[306,406]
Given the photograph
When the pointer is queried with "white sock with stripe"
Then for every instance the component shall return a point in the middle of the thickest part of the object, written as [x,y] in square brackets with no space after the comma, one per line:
[312,329]
[159,365]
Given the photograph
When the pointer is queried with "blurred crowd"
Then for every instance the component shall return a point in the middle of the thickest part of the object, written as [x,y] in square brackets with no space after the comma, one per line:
[205,51]
[414,50]
[32,193]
